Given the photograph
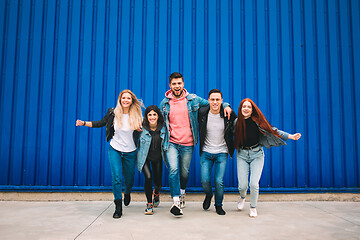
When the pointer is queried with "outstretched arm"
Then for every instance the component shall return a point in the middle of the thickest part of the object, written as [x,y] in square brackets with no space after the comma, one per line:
[295,136]
[96,124]
[83,123]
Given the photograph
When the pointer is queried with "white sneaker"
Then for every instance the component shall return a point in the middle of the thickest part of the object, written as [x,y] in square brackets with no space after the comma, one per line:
[253,212]
[241,203]
[182,200]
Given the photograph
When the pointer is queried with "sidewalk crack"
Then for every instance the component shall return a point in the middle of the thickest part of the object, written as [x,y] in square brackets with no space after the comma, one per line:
[93,221]
[334,214]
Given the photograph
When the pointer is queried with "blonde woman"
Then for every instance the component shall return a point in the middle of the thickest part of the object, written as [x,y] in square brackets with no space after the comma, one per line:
[122,124]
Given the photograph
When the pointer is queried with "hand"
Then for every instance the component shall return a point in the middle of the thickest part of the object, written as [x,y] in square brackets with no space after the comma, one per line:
[295,136]
[139,129]
[227,112]
[79,123]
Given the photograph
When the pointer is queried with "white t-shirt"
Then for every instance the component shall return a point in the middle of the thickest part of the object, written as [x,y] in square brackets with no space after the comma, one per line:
[123,140]
[214,140]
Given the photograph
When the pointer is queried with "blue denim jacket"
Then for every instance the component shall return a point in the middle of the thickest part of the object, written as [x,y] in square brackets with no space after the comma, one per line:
[145,140]
[269,140]
[194,102]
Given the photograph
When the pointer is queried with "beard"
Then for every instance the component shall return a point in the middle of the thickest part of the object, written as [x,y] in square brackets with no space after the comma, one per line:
[177,95]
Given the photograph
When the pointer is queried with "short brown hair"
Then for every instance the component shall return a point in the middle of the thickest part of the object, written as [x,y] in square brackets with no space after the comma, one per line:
[175,75]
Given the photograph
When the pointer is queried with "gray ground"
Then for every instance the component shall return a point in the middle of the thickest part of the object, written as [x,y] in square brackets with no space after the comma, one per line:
[93,220]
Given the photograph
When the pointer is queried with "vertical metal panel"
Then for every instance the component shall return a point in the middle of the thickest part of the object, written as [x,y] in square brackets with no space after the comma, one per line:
[324,106]
[354,20]
[67,60]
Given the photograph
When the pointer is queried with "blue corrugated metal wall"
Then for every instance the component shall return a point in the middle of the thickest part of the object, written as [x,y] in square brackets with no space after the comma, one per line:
[64,60]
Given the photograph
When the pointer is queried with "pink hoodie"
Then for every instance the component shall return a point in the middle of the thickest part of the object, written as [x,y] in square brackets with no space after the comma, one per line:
[179,120]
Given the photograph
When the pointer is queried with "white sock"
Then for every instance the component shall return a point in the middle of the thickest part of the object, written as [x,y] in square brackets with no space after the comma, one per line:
[176,199]
[182,191]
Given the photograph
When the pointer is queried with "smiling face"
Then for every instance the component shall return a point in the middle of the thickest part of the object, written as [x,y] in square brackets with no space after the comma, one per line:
[126,101]
[215,101]
[152,117]
[246,109]
[177,87]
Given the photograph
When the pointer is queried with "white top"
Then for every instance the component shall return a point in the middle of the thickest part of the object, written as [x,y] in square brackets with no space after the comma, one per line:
[123,140]
[214,140]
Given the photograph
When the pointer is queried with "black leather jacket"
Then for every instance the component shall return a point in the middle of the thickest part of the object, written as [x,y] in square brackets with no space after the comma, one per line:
[229,127]
[108,120]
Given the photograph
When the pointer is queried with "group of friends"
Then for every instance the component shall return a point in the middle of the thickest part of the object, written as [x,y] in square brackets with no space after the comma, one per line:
[170,132]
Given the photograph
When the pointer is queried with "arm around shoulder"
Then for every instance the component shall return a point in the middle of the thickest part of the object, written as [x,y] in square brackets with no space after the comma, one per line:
[225,105]
[202,102]
[227,110]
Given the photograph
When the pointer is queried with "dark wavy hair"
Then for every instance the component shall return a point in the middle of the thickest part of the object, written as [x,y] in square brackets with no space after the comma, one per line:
[154,108]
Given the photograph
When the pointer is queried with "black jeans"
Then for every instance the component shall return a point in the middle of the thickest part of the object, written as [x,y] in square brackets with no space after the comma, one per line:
[156,166]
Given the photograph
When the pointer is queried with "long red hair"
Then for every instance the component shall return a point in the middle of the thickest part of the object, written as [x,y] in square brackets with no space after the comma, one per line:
[257,116]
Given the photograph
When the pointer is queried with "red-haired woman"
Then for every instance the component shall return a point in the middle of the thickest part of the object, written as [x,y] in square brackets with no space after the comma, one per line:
[252,132]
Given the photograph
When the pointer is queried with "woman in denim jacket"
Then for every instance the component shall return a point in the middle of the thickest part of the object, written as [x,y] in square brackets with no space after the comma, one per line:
[151,153]
[252,132]
[122,125]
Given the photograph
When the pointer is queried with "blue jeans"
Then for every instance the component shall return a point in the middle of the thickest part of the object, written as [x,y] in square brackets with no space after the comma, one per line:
[121,162]
[179,159]
[253,161]
[207,160]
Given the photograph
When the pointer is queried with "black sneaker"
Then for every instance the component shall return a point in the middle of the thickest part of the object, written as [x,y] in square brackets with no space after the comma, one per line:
[220,210]
[127,199]
[206,203]
[176,210]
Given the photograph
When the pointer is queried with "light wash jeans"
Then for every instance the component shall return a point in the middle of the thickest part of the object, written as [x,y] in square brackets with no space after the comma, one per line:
[178,159]
[121,162]
[207,160]
[253,161]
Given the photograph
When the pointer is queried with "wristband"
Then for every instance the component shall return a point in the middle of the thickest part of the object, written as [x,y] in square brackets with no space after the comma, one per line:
[84,123]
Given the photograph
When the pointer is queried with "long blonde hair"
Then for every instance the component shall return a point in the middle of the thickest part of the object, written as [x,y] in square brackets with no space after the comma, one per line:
[135,114]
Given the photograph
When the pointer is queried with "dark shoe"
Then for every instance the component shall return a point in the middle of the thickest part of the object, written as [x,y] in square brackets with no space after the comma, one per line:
[176,210]
[156,200]
[127,199]
[220,210]
[206,203]
[118,208]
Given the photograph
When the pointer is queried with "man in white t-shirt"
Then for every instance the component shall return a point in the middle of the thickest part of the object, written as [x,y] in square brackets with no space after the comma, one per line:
[216,142]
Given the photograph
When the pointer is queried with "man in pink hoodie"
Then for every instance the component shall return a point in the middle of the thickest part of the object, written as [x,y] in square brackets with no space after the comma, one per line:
[180,110]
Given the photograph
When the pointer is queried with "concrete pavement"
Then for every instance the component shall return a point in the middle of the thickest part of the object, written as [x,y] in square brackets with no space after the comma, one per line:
[93,220]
